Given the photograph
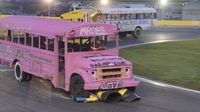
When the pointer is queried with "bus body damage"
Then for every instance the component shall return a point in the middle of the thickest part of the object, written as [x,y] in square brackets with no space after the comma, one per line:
[111,96]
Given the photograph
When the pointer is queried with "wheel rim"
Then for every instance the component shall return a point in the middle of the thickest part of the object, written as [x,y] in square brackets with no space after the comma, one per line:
[18,71]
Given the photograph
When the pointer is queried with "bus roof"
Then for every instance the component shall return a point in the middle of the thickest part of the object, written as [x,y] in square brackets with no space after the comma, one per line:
[55,27]
[126,10]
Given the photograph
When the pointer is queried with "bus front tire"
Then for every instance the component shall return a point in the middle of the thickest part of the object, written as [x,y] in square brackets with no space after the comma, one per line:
[77,87]
[137,32]
[19,74]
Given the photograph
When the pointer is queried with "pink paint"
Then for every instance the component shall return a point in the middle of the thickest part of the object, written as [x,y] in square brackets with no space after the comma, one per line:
[101,69]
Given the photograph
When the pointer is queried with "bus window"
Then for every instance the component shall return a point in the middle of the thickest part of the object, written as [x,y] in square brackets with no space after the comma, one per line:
[36,41]
[105,16]
[51,44]
[15,35]
[137,16]
[112,17]
[141,16]
[155,16]
[2,34]
[28,39]
[128,16]
[123,16]
[9,35]
[42,42]
[133,16]
[108,17]
[21,38]
[115,16]
[118,16]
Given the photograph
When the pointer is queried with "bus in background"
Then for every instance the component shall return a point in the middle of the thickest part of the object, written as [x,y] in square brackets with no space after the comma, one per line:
[127,20]
[74,56]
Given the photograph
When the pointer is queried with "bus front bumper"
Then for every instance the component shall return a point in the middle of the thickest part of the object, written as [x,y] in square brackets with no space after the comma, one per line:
[113,84]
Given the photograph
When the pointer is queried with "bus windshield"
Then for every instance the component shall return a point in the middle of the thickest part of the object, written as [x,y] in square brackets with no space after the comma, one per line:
[86,44]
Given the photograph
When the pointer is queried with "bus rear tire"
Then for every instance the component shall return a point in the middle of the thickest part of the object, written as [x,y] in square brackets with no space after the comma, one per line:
[77,87]
[137,32]
[19,74]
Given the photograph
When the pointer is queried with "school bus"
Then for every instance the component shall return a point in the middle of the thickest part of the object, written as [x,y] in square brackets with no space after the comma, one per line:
[127,20]
[74,56]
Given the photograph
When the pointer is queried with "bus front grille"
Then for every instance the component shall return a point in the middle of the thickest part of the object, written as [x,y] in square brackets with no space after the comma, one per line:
[110,73]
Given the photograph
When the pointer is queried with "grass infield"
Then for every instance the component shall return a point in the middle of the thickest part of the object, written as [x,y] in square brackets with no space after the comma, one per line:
[177,63]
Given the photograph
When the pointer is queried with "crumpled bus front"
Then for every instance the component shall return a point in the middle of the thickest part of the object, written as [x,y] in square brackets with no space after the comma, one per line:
[109,72]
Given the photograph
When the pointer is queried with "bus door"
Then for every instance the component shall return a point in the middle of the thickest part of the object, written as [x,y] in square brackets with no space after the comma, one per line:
[61,59]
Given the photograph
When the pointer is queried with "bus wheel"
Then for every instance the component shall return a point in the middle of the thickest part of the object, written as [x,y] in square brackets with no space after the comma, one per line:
[77,87]
[19,74]
[137,32]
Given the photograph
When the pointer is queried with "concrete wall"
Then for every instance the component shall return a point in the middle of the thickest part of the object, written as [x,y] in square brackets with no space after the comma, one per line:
[177,23]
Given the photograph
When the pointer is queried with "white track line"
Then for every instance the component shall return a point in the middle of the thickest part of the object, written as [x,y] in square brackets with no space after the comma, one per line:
[154,42]
[166,85]
[6,70]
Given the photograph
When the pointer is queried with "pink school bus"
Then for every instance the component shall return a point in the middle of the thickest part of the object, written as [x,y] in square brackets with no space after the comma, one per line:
[74,56]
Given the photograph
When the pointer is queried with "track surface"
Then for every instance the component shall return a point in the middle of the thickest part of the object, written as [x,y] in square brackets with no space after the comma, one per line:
[39,96]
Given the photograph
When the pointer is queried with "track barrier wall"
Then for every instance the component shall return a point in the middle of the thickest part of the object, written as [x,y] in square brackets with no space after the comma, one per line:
[159,22]
[177,23]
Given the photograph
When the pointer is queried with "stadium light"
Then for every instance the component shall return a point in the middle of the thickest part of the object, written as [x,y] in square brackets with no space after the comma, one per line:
[49,6]
[163,2]
[104,2]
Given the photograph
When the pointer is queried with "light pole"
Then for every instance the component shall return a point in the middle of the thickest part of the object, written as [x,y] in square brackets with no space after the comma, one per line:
[163,3]
[49,6]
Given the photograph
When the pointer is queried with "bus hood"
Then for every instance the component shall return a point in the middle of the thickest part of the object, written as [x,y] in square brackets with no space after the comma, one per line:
[99,61]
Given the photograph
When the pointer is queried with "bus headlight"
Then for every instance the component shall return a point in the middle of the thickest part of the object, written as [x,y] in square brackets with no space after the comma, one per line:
[128,70]
[94,73]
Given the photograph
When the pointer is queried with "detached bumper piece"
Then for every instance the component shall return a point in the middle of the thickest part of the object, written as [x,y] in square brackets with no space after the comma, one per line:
[110,97]
[128,96]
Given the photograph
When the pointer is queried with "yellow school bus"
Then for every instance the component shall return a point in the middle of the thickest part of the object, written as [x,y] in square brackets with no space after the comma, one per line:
[81,15]
[2,16]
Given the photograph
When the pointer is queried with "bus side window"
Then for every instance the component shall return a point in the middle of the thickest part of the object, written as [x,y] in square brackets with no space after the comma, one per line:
[133,16]
[51,44]
[28,39]
[15,35]
[123,16]
[108,17]
[43,42]
[2,34]
[142,16]
[36,41]
[21,38]
[137,16]
[155,16]
[9,35]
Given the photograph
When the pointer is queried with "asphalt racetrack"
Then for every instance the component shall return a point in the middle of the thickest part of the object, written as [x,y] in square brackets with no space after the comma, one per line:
[39,96]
